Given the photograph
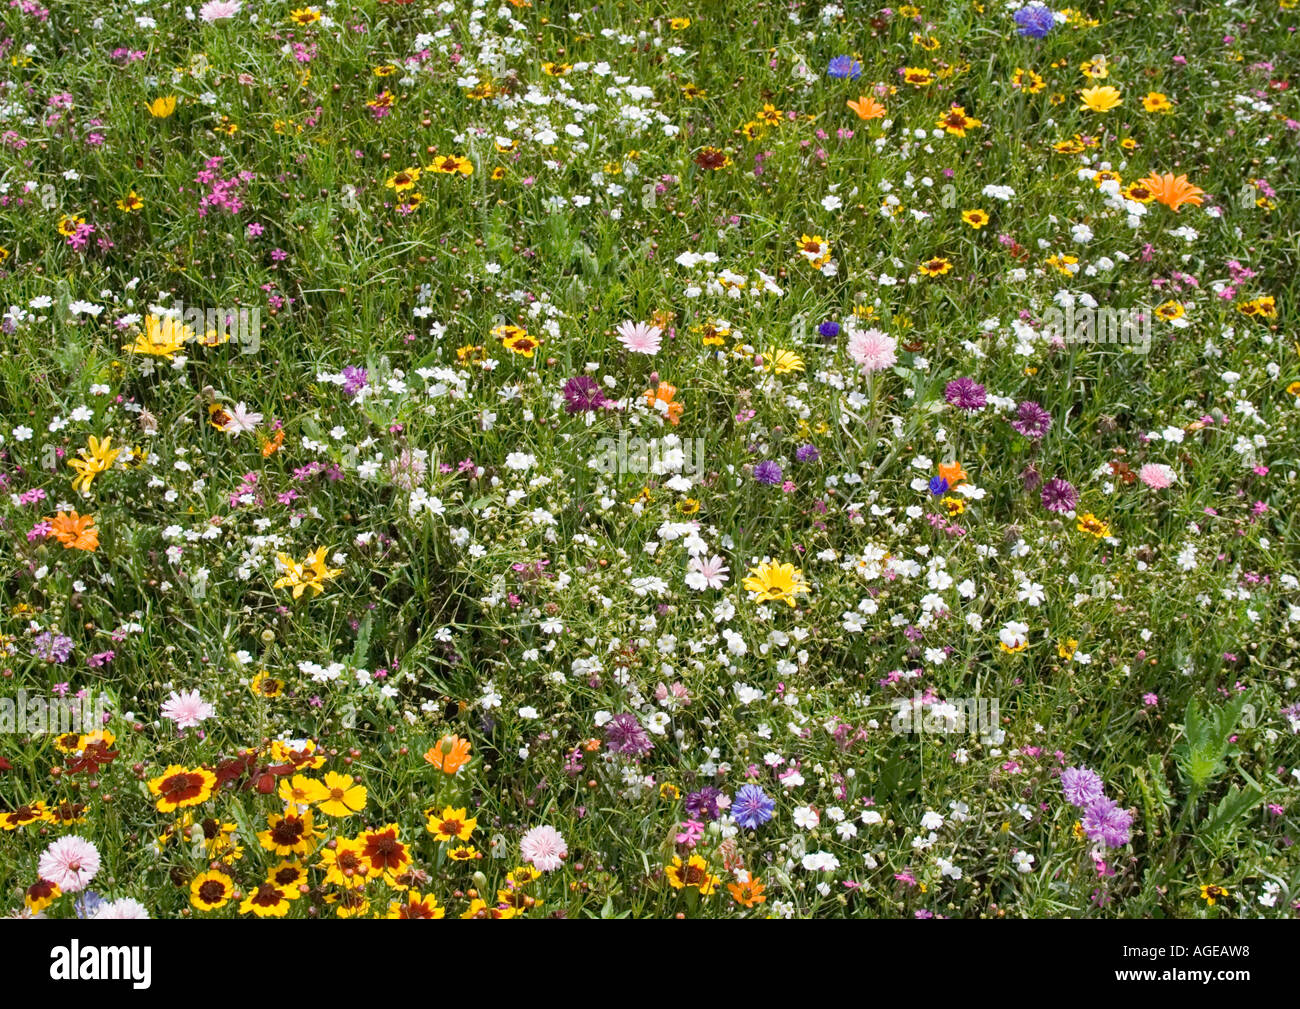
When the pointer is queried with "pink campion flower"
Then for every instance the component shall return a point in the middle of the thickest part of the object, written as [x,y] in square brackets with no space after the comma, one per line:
[1156,476]
[873,350]
[70,863]
[1150,700]
[640,337]
[187,709]
[544,847]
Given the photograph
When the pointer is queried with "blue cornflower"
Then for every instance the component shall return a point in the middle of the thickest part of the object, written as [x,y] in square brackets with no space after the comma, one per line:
[938,485]
[1034,21]
[752,808]
[828,330]
[844,66]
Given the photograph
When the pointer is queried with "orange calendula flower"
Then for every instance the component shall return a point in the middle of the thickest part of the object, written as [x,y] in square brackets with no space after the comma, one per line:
[747,893]
[75,532]
[1172,192]
[661,401]
[952,472]
[867,108]
[449,754]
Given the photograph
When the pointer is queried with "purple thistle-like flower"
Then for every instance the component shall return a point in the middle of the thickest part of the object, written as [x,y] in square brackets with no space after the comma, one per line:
[768,472]
[1059,495]
[1081,786]
[624,734]
[806,453]
[1034,21]
[752,808]
[1032,420]
[582,393]
[1106,822]
[965,394]
[704,804]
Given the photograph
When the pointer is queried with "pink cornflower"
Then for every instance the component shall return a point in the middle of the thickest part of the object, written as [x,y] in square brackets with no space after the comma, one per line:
[873,350]
[1156,476]
[69,863]
[187,709]
[544,847]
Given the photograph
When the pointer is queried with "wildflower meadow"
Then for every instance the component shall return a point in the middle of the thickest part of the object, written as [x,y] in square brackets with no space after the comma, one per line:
[741,459]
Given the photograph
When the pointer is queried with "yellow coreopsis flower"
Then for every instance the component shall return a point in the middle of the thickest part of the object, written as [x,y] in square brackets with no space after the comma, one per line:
[693,872]
[1101,99]
[310,574]
[772,581]
[94,459]
[337,795]
[161,337]
[451,824]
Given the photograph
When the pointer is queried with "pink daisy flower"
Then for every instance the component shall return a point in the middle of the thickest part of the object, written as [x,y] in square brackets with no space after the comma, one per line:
[187,709]
[1156,476]
[69,863]
[873,350]
[544,847]
[640,337]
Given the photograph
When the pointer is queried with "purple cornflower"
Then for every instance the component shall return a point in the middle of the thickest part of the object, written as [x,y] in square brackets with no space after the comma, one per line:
[844,66]
[768,472]
[624,734]
[1105,821]
[965,394]
[704,803]
[1059,495]
[1034,21]
[752,808]
[1032,420]
[582,393]
[354,380]
[1081,786]
[828,330]
[806,453]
